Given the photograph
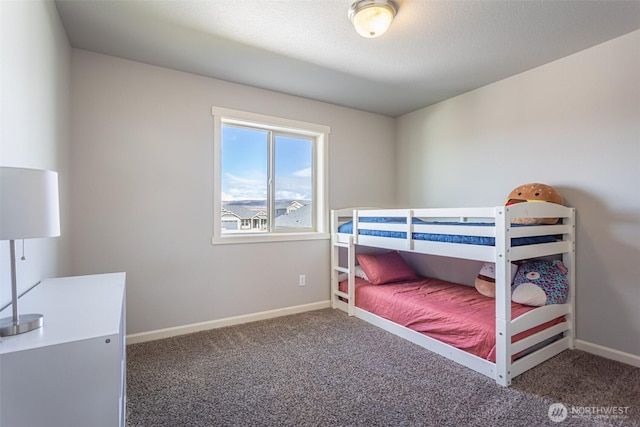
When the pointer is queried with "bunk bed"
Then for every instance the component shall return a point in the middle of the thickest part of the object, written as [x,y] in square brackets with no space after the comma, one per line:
[519,337]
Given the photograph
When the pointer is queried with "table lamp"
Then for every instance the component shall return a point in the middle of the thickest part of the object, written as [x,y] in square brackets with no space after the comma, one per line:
[29,208]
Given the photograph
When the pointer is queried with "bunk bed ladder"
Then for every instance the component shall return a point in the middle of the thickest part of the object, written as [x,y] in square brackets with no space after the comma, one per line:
[337,269]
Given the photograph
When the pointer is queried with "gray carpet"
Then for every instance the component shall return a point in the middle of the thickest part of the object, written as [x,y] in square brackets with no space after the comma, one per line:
[323,368]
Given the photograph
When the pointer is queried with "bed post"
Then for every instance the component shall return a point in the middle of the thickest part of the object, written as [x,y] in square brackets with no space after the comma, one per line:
[351,265]
[569,260]
[503,296]
[352,277]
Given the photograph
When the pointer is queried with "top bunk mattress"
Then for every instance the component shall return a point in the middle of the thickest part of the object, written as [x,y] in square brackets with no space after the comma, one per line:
[451,313]
[347,228]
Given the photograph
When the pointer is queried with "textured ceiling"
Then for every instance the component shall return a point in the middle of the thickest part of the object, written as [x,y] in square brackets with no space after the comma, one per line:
[434,49]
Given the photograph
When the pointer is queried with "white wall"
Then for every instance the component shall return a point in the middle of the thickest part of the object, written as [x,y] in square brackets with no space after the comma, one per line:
[142,161]
[34,105]
[574,124]
[141,174]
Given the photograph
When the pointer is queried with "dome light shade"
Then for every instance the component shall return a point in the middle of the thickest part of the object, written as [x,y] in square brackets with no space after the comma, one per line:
[372,18]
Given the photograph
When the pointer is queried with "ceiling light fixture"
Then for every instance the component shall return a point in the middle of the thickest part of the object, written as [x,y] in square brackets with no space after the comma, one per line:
[372,18]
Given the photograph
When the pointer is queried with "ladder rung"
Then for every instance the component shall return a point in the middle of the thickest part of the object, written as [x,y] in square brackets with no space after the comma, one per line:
[341,269]
[341,294]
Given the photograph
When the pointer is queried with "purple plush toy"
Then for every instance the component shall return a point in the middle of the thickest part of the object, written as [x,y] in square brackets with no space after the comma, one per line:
[540,282]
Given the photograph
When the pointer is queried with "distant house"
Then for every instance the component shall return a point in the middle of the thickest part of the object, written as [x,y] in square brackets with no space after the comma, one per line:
[301,217]
[289,214]
[295,205]
[284,207]
[236,217]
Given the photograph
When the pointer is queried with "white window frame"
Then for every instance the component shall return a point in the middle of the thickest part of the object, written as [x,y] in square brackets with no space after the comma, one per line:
[223,116]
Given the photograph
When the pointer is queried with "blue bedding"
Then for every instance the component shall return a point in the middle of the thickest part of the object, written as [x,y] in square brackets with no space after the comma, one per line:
[447,238]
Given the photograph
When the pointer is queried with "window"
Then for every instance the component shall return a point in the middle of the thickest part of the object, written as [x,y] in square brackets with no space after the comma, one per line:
[270,178]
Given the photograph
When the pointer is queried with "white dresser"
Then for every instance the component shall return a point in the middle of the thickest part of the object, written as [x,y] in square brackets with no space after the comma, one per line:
[72,371]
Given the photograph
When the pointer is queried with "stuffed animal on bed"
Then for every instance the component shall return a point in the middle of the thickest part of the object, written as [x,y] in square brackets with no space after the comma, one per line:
[486,280]
[534,192]
[540,282]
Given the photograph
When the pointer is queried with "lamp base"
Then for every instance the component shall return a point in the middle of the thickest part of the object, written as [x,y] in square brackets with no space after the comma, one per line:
[25,323]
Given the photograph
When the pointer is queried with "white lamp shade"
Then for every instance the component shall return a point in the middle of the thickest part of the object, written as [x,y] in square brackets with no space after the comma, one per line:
[29,204]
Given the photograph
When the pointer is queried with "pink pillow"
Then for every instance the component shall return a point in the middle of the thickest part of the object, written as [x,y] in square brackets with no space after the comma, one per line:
[385,268]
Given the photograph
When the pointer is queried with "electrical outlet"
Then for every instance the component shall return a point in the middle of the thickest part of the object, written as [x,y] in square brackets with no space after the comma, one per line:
[302,279]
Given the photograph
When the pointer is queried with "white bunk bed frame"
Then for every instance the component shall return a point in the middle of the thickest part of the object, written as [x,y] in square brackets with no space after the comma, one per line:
[502,254]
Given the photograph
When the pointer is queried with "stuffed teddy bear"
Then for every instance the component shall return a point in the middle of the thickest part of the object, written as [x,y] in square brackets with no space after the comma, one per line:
[534,192]
[540,282]
[486,280]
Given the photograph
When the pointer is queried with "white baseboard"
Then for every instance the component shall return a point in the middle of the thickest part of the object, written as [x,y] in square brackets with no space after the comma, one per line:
[220,323]
[608,353]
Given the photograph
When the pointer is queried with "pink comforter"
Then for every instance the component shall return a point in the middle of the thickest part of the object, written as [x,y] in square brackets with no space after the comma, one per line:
[455,314]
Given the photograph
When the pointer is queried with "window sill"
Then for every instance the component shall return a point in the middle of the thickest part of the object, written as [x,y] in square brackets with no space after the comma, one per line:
[268,238]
